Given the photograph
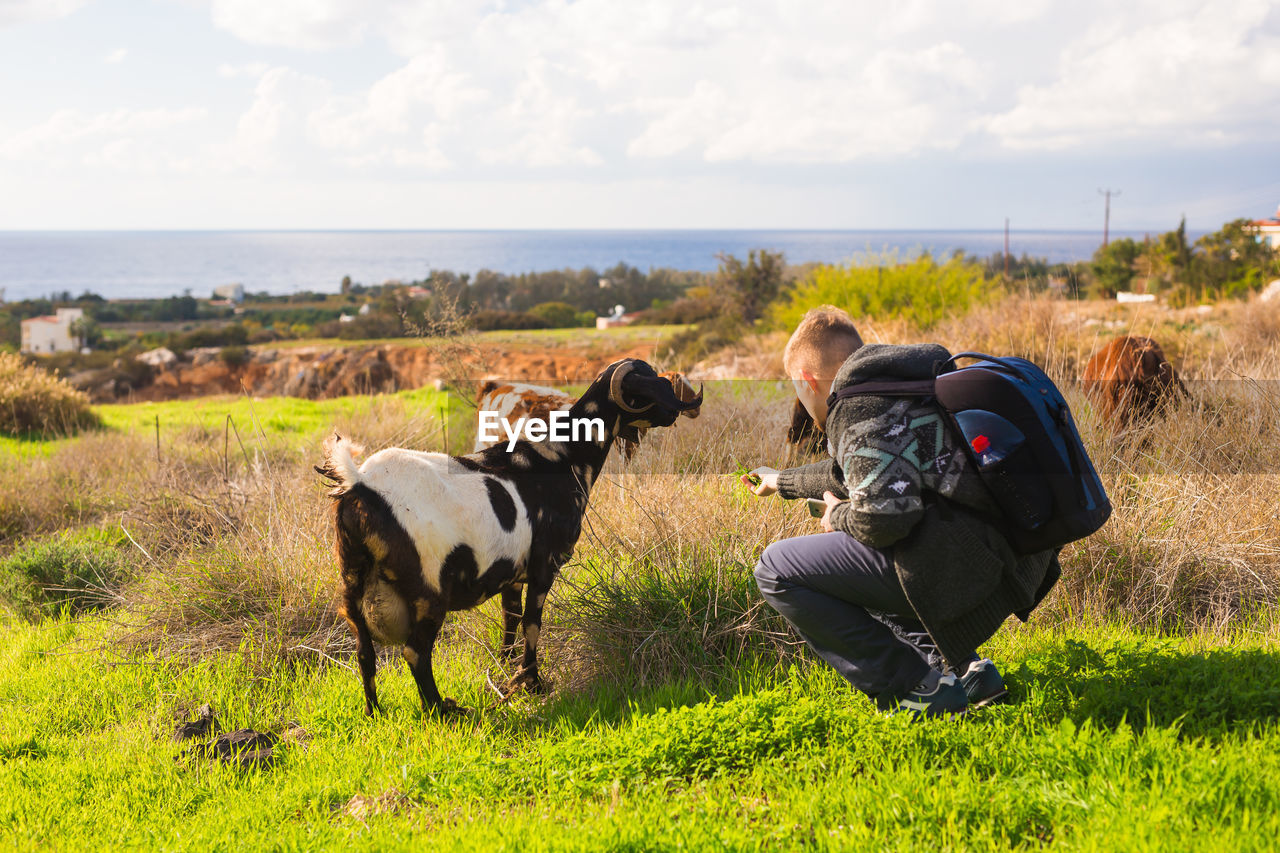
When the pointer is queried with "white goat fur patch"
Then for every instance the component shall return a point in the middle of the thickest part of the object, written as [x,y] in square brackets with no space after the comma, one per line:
[441,505]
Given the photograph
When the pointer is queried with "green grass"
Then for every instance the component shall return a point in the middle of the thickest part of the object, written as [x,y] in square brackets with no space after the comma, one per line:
[275,415]
[1117,741]
[271,417]
[537,337]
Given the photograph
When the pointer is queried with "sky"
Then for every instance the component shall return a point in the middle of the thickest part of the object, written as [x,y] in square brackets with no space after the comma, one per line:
[802,114]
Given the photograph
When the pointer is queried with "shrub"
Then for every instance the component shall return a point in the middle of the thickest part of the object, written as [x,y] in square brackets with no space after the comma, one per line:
[234,334]
[234,356]
[488,321]
[34,401]
[78,572]
[922,290]
[690,346]
[557,315]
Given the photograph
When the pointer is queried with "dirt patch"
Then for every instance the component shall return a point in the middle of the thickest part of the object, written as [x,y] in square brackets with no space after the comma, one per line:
[318,373]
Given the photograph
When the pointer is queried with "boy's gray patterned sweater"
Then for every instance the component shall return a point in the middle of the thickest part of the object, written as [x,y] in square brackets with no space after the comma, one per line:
[890,454]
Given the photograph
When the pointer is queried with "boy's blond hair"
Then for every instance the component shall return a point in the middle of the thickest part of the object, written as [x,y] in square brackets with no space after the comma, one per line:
[825,337]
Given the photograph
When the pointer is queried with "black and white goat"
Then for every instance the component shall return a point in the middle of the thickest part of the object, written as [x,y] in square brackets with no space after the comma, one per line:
[421,534]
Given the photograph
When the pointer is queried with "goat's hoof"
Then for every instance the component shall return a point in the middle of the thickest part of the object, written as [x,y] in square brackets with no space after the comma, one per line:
[447,708]
[528,680]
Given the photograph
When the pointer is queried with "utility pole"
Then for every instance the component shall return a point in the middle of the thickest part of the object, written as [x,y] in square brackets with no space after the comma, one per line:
[1106,218]
[1006,248]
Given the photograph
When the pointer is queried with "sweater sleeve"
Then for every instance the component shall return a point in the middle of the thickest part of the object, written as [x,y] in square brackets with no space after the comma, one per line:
[876,530]
[810,481]
[885,493]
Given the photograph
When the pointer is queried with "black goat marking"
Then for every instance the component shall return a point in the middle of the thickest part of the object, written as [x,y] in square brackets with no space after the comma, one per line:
[459,568]
[503,506]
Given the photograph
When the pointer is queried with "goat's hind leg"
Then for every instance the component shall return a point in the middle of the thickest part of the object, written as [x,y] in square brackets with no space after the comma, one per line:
[365,655]
[417,653]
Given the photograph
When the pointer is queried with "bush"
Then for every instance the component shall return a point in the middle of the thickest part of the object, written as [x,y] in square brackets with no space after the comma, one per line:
[33,401]
[234,334]
[687,347]
[234,356]
[78,572]
[488,321]
[557,315]
[922,291]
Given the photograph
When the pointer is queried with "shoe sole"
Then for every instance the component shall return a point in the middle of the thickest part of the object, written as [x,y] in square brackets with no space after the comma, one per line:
[1000,698]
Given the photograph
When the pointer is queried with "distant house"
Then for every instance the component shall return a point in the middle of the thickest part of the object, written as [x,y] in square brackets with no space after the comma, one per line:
[619,317]
[233,293]
[1268,230]
[52,333]
[418,292]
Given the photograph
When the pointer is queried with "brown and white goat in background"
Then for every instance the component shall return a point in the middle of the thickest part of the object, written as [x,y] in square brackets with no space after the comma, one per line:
[515,400]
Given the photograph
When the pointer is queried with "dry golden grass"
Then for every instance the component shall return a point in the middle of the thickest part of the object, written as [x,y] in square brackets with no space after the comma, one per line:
[33,401]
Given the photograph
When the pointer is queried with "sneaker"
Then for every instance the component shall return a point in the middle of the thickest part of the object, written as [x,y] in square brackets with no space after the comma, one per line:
[983,684]
[947,699]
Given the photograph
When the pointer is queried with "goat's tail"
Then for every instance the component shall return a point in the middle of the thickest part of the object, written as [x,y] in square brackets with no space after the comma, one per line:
[340,464]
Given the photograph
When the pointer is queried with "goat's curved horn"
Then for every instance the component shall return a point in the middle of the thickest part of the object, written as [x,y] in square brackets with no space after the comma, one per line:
[696,401]
[615,389]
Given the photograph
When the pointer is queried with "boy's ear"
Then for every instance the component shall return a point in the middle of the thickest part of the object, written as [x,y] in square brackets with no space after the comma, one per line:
[810,378]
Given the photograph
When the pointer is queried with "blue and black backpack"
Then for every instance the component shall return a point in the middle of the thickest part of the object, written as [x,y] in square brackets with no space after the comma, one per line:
[1018,431]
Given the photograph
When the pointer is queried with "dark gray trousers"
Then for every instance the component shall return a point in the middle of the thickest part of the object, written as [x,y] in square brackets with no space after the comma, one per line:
[845,600]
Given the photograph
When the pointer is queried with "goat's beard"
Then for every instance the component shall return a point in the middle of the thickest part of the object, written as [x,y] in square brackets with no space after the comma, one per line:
[629,433]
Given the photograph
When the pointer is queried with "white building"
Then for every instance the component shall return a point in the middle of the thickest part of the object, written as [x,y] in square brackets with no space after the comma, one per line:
[1268,230]
[52,333]
[619,317]
[233,293]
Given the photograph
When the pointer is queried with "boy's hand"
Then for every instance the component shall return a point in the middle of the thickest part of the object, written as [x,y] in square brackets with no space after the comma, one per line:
[762,481]
[832,502]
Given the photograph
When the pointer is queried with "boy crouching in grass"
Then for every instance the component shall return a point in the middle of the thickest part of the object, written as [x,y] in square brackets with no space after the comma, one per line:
[909,578]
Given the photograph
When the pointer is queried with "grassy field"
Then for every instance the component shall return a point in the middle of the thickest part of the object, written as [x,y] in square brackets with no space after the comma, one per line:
[619,336]
[1116,741]
[136,586]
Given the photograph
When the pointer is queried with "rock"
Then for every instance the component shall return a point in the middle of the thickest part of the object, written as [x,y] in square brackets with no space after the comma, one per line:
[161,358]
[245,747]
[364,806]
[203,355]
[1270,292]
[203,724]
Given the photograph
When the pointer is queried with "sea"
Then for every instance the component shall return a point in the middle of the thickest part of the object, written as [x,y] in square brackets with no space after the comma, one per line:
[156,264]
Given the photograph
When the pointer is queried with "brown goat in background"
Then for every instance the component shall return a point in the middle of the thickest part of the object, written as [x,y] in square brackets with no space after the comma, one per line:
[1131,381]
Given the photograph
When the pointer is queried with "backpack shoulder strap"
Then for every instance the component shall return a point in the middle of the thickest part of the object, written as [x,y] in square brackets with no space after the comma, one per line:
[903,388]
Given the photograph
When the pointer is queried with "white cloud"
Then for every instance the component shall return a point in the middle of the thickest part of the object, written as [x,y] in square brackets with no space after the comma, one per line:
[1180,75]
[15,12]
[67,133]
[596,82]
[270,133]
[116,56]
[244,69]
[601,91]
[304,24]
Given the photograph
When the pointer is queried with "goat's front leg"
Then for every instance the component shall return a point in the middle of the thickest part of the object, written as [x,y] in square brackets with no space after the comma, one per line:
[534,598]
[417,653]
[510,618]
